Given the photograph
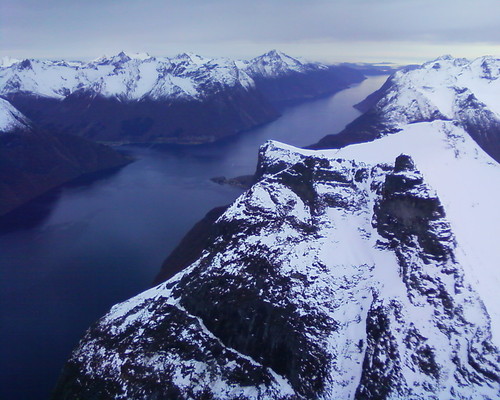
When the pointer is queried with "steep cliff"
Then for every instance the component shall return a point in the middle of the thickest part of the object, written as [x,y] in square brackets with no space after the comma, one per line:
[338,275]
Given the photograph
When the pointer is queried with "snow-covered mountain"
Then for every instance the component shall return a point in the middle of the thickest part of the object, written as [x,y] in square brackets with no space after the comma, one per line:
[366,272]
[276,63]
[137,98]
[141,76]
[125,77]
[286,80]
[341,274]
[463,91]
[140,98]
[10,118]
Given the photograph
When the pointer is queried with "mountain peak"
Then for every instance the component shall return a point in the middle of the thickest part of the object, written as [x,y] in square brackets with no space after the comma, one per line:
[121,57]
[280,56]
[276,63]
[192,58]
[24,64]
[139,56]
[447,57]
[275,53]
[344,278]
[404,163]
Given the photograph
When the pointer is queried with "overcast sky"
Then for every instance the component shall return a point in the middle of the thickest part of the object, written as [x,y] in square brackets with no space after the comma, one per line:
[401,31]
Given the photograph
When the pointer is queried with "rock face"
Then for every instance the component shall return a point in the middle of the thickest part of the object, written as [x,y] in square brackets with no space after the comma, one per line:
[328,279]
[448,88]
[33,161]
[185,99]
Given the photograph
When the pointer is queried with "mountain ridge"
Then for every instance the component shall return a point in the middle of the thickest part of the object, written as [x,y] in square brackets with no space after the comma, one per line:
[185,99]
[316,260]
[443,89]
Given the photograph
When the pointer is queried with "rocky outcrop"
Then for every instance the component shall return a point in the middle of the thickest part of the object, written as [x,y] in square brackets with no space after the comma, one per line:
[328,279]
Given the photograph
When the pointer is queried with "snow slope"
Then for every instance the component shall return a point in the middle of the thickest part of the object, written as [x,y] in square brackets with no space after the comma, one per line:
[124,76]
[466,180]
[10,118]
[338,275]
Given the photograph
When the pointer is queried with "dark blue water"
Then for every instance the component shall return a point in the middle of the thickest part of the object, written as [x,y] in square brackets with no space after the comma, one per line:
[103,242]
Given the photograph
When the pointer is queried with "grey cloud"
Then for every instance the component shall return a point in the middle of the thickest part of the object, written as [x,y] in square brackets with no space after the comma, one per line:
[94,27]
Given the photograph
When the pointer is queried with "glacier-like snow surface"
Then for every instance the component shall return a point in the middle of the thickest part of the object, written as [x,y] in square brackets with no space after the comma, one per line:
[467,181]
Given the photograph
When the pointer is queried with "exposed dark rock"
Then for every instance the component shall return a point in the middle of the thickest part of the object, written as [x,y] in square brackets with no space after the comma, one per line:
[160,121]
[243,181]
[277,306]
[480,122]
[382,375]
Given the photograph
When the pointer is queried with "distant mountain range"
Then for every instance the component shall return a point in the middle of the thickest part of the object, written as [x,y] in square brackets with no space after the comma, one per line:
[184,99]
[368,271]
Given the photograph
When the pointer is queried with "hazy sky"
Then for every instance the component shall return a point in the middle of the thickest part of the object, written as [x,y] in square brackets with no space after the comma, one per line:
[325,30]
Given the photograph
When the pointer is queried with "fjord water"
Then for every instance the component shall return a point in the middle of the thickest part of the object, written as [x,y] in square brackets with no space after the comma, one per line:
[103,242]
